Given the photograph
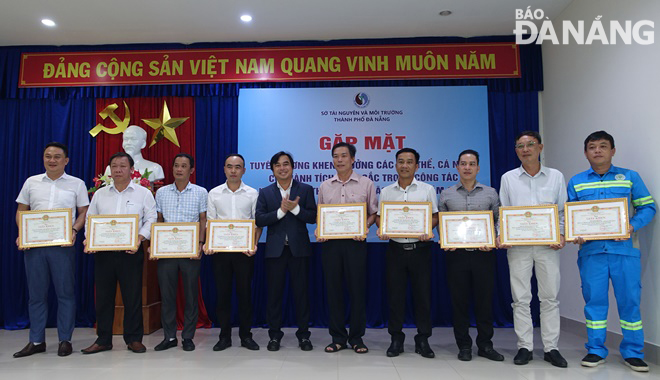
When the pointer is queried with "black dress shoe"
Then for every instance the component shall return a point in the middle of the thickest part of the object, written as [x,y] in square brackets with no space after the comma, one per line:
[396,347]
[64,349]
[273,345]
[465,354]
[305,344]
[31,349]
[222,344]
[96,348]
[422,347]
[166,344]
[555,358]
[490,354]
[188,345]
[137,347]
[522,357]
[250,344]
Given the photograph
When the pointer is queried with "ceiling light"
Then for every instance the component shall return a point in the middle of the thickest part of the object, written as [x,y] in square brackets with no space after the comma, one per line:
[445,13]
[48,22]
[246,18]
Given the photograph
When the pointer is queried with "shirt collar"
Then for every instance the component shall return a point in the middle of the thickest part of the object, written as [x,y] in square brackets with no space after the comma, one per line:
[281,188]
[612,169]
[175,189]
[354,177]
[522,171]
[459,185]
[226,189]
[131,185]
[413,183]
[44,177]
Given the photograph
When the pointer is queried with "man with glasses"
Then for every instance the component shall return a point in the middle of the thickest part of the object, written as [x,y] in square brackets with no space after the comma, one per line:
[529,185]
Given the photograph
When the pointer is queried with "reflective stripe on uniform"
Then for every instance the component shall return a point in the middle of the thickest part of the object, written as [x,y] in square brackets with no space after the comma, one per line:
[596,324]
[633,326]
[602,184]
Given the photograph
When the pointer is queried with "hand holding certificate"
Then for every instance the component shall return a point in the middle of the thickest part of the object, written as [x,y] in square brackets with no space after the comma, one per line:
[44,228]
[597,220]
[174,240]
[341,221]
[529,225]
[405,219]
[230,236]
[467,229]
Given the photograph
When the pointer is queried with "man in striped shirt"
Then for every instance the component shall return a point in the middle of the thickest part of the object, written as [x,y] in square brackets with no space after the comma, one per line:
[617,259]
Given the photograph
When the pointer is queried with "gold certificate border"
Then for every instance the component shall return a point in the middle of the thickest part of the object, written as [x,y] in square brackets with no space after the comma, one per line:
[134,218]
[428,222]
[569,219]
[68,225]
[153,252]
[444,244]
[503,225]
[248,222]
[319,218]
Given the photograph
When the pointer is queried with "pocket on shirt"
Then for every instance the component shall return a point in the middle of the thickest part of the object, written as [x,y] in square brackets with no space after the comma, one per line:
[548,196]
[586,194]
[620,192]
[65,199]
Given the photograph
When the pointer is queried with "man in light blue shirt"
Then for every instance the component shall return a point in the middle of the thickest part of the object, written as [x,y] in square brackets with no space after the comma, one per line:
[180,202]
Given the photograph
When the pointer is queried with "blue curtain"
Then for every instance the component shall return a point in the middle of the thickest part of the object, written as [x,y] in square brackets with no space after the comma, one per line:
[33,117]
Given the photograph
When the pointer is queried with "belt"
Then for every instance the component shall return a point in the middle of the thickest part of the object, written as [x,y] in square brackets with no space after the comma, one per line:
[411,246]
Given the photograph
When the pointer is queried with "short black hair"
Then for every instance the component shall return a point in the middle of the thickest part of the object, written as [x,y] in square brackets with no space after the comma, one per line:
[472,152]
[56,144]
[599,135]
[234,155]
[276,157]
[119,155]
[533,134]
[186,155]
[408,150]
[351,148]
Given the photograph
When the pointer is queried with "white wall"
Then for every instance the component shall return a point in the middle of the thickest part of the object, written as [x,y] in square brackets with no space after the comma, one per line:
[615,88]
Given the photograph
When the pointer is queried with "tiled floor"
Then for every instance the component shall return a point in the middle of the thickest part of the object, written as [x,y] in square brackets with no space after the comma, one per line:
[290,363]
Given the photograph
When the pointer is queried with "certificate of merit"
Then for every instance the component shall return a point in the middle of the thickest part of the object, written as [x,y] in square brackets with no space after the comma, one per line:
[43,228]
[405,219]
[529,225]
[112,232]
[174,240]
[230,235]
[597,220]
[467,229]
[342,221]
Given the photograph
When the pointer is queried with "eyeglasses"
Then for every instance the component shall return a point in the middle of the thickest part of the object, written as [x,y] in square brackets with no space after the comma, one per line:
[529,145]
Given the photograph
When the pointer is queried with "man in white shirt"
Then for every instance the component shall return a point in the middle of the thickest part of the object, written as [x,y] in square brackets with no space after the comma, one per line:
[529,185]
[234,200]
[121,197]
[409,258]
[52,190]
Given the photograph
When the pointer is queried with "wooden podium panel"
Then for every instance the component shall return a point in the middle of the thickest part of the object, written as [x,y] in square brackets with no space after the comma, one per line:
[150,299]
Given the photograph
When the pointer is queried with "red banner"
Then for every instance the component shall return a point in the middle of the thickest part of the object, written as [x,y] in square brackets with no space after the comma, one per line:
[112,68]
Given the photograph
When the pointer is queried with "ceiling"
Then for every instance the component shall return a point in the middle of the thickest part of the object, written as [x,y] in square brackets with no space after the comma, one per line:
[94,22]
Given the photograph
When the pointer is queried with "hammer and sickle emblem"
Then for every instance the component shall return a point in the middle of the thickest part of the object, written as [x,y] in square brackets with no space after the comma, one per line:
[120,125]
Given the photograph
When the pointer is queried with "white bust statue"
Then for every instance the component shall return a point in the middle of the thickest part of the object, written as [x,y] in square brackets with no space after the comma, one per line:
[134,140]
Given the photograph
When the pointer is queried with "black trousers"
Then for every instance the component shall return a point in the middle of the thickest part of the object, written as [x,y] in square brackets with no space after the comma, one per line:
[345,261]
[227,266]
[414,264]
[109,268]
[276,268]
[168,280]
[471,275]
